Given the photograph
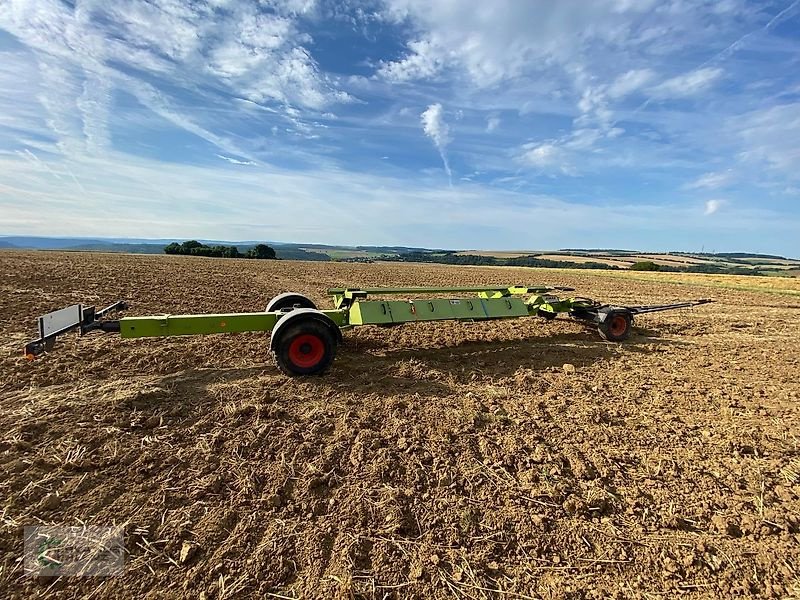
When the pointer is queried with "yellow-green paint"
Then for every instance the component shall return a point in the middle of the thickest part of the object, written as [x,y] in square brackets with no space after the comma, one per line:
[376,312]
[490,302]
[169,325]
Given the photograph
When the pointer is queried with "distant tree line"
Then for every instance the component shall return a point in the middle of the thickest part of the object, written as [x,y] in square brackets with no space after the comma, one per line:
[195,248]
[451,258]
[646,265]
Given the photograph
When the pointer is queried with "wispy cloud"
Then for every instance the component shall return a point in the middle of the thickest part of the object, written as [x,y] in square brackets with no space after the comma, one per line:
[434,126]
[609,103]
[156,50]
[712,206]
[687,84]
[423,61]
[629,82]
[492,123]
[770,139]
[237,162]
[501,40]
[331,206]
[711,181]
[548,157]
[30,156]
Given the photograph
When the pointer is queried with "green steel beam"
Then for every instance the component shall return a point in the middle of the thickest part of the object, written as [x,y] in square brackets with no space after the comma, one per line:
[483,291]
[169,325]
[378,312]
[513,289]
[365,312]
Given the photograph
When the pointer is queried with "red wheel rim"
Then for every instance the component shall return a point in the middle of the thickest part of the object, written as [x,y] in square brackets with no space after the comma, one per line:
[618,325]
[306,350]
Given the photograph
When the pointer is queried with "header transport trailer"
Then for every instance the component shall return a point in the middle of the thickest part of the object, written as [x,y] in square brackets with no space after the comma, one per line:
[304,338]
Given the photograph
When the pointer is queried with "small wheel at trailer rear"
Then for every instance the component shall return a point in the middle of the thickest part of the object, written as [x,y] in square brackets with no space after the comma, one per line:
[289,300]
[617,326]
[305,348]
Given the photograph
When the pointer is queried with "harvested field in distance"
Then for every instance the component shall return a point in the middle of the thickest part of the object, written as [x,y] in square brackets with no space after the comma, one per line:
[625,261]
[512,459]
[498,253]
[615,262]
[689,260]
[771,261]
[781,285]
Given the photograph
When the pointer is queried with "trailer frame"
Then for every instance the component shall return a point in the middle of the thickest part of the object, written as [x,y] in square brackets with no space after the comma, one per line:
[296,316]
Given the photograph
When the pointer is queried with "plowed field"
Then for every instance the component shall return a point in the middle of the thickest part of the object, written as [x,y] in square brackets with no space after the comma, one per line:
[514,459]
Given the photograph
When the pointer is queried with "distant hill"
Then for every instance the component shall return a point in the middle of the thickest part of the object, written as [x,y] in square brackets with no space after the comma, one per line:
[741,255]
[114,247]
[606,250]
[48,243]
[283,251]
[704,262]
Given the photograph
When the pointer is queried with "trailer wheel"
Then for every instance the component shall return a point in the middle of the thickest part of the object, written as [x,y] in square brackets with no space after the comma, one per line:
[546,314]
[616,327]
[305,348]
[289,300]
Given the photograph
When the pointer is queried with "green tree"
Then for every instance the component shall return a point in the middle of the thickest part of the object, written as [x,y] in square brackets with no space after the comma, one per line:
[645,265]
[189,245]
[261,251]
[201,251]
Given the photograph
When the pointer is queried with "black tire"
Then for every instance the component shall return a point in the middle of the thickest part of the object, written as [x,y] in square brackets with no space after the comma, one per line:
[289,300]
[546,314]
[616,327]
[307,347]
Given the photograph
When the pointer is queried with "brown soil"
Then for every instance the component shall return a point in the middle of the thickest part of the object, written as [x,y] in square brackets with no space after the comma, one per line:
[516,459]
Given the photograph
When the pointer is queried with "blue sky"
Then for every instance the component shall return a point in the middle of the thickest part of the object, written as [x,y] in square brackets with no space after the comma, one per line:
[510,124]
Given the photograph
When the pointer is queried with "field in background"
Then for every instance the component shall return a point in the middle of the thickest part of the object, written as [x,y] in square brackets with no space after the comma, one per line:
[616,259]
[787,286]
[625,259]
[509,459]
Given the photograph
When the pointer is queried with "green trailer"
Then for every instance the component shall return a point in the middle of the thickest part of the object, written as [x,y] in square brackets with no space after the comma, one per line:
[304,338]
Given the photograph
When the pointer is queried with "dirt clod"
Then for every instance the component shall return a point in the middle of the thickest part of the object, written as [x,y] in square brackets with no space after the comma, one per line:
[188,550]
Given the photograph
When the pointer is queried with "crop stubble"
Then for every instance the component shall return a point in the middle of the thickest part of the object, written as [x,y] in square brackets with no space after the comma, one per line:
[439,460]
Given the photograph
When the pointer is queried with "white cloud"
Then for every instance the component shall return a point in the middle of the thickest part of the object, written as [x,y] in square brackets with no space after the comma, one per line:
[422,62]
[493,41]
[711,181]
[687,84]
[94,105]
[320,206]
[237,162]
[548,157]
[712,206]
[600,64]
[541,155]
[770,138]
[492,123]
[326,205]
[88,50]
[434,126]
[58,94]
[629,82]
[566,77]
